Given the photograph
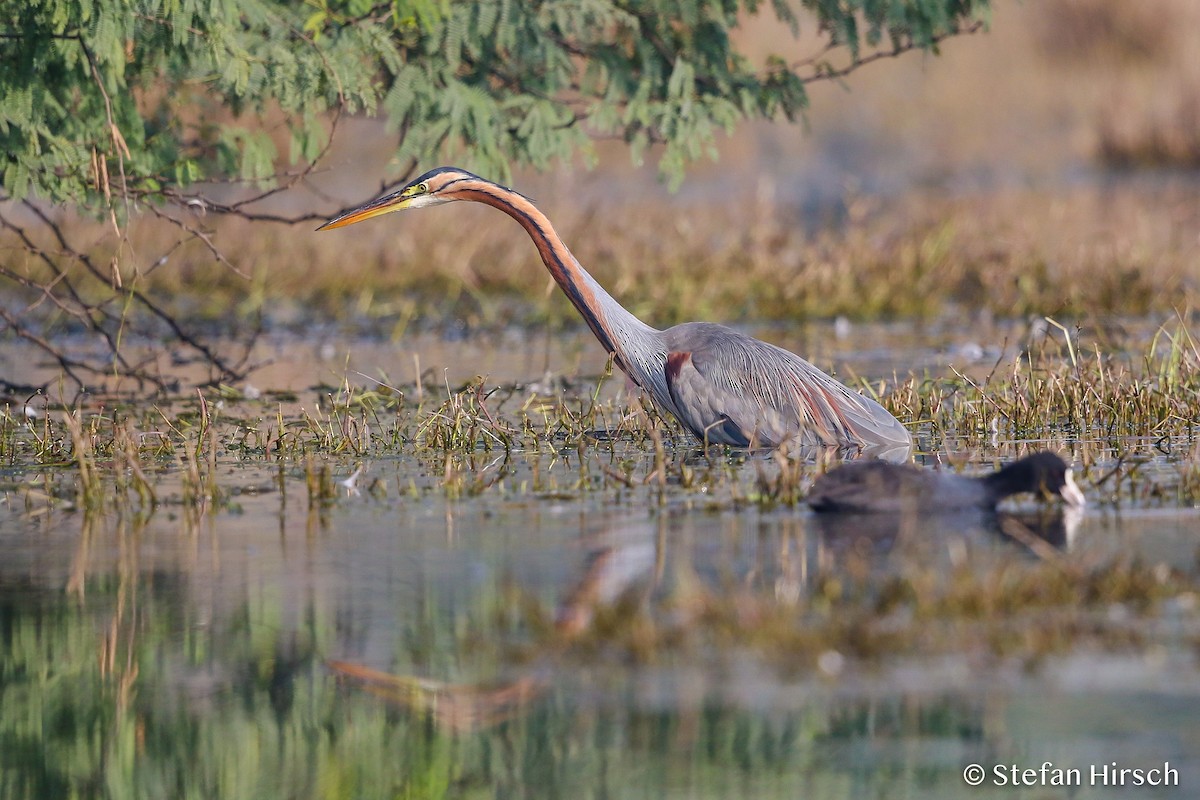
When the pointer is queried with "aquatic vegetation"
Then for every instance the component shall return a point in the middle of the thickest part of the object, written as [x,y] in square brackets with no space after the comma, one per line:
[1128,418]
[407,511]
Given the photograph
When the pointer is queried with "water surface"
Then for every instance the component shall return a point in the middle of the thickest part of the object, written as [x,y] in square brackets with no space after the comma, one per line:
[558,633]
[437,648]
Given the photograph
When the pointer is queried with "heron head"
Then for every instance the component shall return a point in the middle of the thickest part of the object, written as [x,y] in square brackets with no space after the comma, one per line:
[434,187]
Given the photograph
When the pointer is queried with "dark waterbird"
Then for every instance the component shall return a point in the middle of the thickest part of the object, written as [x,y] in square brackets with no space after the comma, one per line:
[876,486]
[725,387]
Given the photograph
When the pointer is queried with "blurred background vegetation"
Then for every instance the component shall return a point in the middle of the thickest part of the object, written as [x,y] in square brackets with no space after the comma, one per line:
[1043,166]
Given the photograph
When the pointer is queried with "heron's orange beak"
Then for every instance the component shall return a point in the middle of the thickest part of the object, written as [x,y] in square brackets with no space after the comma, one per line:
[375,208]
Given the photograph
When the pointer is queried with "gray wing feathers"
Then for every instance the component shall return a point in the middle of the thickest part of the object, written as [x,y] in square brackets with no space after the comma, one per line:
[713,408]
[770,395]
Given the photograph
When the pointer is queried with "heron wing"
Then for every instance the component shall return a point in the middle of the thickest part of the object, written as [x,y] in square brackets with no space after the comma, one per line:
[738,390]
[703,406]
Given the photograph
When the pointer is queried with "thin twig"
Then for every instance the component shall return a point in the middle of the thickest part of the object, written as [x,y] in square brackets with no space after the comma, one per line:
[898,50]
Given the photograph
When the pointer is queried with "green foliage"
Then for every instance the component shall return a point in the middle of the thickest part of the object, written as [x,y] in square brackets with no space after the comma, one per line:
[129,98]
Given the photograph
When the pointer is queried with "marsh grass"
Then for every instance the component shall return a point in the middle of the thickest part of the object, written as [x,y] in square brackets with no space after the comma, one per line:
[1086,395]
[1093,250]
[1128,418]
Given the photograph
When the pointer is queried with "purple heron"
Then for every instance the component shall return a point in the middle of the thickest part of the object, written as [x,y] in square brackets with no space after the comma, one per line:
[875,486]
[724,386]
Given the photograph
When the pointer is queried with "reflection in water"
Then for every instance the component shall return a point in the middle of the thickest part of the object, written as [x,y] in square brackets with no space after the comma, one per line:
[456,709]
[1041,532]
[627,562]
[375,648]
[617,561]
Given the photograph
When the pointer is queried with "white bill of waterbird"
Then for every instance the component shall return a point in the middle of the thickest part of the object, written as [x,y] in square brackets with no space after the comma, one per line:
[724,386]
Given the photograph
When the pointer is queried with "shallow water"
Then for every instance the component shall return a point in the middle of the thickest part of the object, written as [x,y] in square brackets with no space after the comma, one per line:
[562,636]
[331,355]
[553,647]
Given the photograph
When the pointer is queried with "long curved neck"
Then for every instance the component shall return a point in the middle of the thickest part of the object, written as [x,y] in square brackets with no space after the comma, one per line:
[618,330]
